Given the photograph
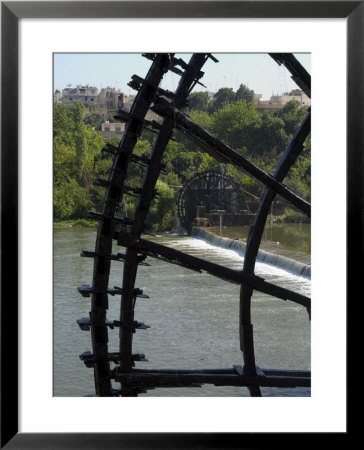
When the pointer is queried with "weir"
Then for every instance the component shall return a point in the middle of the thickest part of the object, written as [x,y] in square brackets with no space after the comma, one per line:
[283,262]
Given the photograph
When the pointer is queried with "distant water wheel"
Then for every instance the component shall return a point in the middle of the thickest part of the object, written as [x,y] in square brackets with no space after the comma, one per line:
[208,193]
[127,231]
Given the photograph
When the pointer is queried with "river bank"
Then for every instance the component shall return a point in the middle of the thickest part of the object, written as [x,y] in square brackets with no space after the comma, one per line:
[77,223]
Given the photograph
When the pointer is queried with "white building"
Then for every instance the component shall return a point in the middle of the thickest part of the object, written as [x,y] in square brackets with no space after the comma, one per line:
[278,101]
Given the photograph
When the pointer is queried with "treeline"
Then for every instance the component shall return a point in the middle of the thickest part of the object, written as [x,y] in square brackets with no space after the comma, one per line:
[79,160]
[233,117]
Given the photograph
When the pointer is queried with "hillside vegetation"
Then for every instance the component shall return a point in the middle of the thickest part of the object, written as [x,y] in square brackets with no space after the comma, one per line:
[260,135]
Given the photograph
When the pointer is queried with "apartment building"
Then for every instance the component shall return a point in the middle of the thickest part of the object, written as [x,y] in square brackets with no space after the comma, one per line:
[87,95]
[109,98]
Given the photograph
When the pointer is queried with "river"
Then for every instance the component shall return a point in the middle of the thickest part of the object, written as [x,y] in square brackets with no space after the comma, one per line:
[193,317]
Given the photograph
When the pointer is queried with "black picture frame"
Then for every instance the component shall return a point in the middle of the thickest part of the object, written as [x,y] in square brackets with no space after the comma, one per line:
[11,12]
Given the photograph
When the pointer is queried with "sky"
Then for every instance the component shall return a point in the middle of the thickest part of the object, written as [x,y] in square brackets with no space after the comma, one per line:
[258,71]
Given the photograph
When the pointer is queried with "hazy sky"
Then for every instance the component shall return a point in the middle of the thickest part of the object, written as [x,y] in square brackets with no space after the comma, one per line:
[258,71]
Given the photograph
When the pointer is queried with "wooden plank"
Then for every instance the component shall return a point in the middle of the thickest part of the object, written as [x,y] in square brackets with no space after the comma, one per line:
[160,378]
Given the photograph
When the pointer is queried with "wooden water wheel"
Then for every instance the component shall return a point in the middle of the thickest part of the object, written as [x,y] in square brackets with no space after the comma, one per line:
[127,232]
[211,192]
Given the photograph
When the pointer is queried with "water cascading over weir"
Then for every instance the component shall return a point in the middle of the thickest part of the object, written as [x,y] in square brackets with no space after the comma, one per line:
[126,232]
[239,246]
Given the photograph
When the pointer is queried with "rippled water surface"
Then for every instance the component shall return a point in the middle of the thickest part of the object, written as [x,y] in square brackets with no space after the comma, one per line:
[193,317]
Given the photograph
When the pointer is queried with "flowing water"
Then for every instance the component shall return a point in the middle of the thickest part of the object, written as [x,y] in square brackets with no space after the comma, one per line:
[193,317]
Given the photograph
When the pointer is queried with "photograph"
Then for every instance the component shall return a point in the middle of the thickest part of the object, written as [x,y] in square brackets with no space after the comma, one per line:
[174,234]
[169,209]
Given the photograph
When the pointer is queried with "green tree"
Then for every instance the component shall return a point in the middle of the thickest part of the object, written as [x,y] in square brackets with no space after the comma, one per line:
[299,177]
[222,96]
[95,119]
[79,136]
[244,93]
[162,213]
[185,162]
[235,124]
[270,138]
[292,114]
[203,119]
[75,146]
[198,101]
